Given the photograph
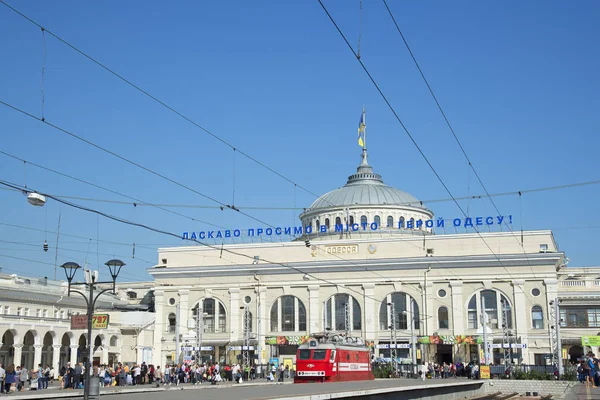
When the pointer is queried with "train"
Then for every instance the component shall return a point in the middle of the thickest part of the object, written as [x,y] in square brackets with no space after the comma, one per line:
[333,357]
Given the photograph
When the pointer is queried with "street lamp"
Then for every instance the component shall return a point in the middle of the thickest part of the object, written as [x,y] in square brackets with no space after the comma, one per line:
[114,267]
[413,350]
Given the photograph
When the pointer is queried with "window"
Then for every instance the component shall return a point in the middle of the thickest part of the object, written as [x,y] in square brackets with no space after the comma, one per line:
[172,322]
[38,313]
[63,314]
[132,295]
[26,312]
[6,310]
[363,220]
[327,222]
[378,221]
[319,354]
[288,314]
[338,221]
[304,354]
[403,316]
[537,317]
[390,221]
[442,293]
[19,311]
[318,224]
[580,317]
[45,313]
[402,223]
[412,223]
[443,317]
[335,312]
[535,292]
[213,314]
[56,314]
[495,315]
[351,220]
[172,301]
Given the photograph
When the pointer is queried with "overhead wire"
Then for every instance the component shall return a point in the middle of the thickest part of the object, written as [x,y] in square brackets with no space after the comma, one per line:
[406,130]
[460,145]
[167,233]
[157,100]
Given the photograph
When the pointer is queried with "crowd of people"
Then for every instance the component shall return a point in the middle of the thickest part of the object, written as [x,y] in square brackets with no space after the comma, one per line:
[20,378]
[588,371]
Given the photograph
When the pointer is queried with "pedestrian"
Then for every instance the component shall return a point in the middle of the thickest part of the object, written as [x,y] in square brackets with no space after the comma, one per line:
[423,372]
[2,375]
[23,378]
[9,378]
[158,376]
[77,373]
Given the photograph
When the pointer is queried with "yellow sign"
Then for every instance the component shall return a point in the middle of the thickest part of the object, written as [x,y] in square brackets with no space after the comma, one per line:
[288,362]
[564,354]
[418,354]
[100,321]
[484,372]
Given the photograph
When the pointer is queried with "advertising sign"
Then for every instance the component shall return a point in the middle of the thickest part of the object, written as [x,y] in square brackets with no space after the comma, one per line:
[484,372]
[593,341]
[99,321]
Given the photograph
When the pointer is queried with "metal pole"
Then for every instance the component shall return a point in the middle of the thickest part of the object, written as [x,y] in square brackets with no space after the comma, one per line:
[88,365]
[198,339]
[559,342]
[484,326]
[412,336]
[394,344]
[246,346]
[177,349]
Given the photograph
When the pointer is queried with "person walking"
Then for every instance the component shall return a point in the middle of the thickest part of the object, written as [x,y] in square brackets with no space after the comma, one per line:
[2,375]
[9,378]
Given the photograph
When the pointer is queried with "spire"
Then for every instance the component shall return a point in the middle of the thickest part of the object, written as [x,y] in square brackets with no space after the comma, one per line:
[364,172]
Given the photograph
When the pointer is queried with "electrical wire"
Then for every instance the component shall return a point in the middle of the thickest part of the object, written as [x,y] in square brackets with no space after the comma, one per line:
[460,145]
[410,136]
[160,102]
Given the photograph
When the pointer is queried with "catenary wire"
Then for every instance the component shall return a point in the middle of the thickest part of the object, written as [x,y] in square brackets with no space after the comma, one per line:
[460,145]
[167,233]
[412,139]
[162,103]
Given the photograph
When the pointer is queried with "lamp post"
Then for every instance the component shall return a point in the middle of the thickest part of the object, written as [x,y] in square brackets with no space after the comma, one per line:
[413,350]
[70,268]
[394,344]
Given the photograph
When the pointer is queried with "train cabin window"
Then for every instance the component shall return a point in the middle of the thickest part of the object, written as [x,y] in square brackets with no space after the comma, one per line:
[347,356]
[319,354]
[304,354]
[356,356]
[332,357]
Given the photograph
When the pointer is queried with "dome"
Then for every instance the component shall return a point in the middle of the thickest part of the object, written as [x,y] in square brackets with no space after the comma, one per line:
[365,188]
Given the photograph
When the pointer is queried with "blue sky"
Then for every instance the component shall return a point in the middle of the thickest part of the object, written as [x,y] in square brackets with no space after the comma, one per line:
[517,80]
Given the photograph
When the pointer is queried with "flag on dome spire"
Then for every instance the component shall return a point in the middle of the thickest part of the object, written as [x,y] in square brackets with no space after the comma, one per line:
[362,125]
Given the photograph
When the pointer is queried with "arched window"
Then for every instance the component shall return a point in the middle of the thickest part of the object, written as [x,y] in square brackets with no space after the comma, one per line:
[403,315]
[338,221]
[402,223]
[327,222]
[172,322]
[363,220]
[132,295]
[537,317]
[213,315]
[495,314]
[412,223]
[443,318]
[390,221]
[318,225]
[352,220]
[288,314]
[113,341]
[378,221]
[335,313]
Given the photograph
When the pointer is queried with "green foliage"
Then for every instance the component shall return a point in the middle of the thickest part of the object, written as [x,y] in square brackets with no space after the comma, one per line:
[383,370]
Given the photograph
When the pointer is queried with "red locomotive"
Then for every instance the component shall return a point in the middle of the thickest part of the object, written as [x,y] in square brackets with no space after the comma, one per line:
[333,357]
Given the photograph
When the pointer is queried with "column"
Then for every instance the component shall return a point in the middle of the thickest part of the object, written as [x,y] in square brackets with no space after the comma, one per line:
[159,328]
[457,312]
[104,356]
[521,312]
[369,312]
[74,348]
[262,322]
[56,357]
[234,314]
[313,309]
[18,354]
[183,311]
[37,355]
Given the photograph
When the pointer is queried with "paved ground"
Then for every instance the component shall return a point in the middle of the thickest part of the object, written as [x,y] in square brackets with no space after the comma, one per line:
[580,392]
[231,391]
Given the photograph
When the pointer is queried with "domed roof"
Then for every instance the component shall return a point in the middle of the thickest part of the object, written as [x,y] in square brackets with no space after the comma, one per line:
[365,188]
